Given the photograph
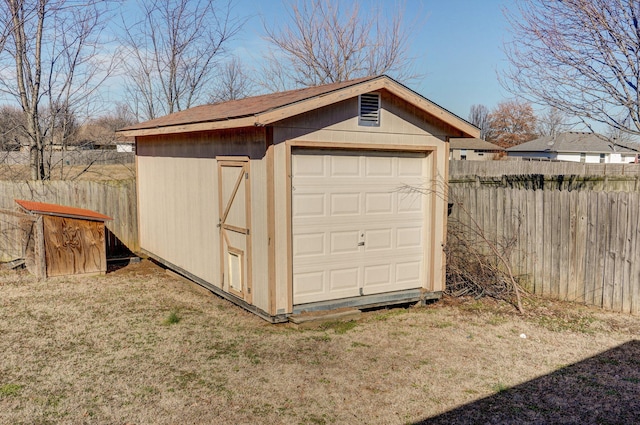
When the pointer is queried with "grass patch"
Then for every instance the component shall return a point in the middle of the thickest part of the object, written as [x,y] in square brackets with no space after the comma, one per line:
[8,390]
[582,324]
[390,313]
[338,326]
[500,387]
[172,319]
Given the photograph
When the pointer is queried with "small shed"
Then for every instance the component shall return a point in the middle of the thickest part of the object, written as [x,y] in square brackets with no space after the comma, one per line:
[63,240]
[296,201]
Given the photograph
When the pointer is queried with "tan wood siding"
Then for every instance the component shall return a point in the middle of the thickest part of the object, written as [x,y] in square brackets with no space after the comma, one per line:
[282,234]
[400,124]
[259,234]
[178,213]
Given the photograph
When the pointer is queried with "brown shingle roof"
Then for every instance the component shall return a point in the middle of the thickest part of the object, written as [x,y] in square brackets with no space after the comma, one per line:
[61,210]
[473,143]
[243,107]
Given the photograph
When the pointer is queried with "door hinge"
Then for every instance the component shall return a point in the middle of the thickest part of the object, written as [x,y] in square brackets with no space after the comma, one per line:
[246,176]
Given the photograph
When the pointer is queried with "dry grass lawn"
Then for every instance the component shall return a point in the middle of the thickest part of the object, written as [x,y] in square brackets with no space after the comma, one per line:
[96,172]
[138,346]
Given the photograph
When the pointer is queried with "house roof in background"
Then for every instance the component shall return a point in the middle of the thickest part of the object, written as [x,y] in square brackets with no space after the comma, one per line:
[473,143]
[575,142]
[270,108]
[61,210]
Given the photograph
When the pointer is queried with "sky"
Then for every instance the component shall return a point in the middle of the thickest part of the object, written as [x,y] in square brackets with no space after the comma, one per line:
[458,47]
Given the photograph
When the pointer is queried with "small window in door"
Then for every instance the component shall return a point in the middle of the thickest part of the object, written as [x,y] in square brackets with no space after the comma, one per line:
[369,109]
[235,269]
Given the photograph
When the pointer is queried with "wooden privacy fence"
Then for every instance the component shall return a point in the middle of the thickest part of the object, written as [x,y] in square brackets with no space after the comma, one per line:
[579,245]
[116,199]
[459,169]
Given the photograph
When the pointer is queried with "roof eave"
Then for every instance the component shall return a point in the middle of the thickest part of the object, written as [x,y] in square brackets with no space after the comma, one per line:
[192,127]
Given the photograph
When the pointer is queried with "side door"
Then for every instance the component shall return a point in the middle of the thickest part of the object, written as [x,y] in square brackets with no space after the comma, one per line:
[235,238]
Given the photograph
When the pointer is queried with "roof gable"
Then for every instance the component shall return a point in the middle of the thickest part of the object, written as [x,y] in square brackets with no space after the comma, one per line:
[270,108]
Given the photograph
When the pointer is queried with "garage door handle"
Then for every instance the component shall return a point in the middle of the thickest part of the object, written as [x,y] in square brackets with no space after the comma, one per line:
[360,243]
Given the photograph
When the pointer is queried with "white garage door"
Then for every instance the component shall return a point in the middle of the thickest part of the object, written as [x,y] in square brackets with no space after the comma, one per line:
[354,232]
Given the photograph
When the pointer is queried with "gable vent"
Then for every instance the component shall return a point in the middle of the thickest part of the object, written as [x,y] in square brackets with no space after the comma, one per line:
[369,109]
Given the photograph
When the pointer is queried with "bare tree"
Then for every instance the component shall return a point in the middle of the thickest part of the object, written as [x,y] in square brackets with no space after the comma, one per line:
[172,54]
[512,122]
[479,116]
[102,130]
[624,138]
[233,82]
[326,41]
[53,48]
[581,57]
[12,136]
[552,122]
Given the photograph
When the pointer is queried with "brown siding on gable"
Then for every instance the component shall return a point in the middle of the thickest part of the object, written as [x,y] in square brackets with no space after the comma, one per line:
[237,142]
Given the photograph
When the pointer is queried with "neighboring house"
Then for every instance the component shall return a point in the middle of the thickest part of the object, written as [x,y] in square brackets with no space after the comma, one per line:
[577,147]
[292,202]
[124,144]
[472,148]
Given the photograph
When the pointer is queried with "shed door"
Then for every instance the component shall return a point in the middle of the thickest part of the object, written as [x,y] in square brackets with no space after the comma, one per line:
[354,232]
[235,242]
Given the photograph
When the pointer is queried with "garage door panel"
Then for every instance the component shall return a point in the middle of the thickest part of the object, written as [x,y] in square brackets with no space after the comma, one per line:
[379,166]
[377,275]
[344,279]
[409,203]
[309,205]
[344,242]
[308,166]
[409,237]
[409,167]
[344,166]
[372,233]
[378,239]
[344,204]
[409,272]
[309,283]
[378,203]
[309,244]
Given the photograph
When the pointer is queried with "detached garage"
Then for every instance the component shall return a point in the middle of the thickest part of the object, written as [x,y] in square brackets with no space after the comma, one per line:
[293,201]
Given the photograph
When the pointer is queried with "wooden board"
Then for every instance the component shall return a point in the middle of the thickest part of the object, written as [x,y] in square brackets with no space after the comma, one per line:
[74,246]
